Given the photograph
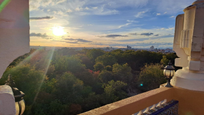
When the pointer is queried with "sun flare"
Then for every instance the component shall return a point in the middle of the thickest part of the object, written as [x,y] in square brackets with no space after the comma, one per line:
[58,31]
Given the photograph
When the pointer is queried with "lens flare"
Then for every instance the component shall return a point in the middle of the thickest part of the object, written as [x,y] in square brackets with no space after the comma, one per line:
[4,4]
[46,57]
[47,65]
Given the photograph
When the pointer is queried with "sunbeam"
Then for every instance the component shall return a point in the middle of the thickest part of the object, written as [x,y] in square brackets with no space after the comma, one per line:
[40,59]
[27,59]
[49,58]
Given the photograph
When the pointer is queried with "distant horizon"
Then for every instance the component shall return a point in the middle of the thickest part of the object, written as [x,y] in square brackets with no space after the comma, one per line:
[102,47]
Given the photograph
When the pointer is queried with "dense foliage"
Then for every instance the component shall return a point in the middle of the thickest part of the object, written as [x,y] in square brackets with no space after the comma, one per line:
[68,82]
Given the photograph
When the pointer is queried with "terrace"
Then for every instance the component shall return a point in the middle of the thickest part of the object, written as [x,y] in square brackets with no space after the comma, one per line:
[188,82]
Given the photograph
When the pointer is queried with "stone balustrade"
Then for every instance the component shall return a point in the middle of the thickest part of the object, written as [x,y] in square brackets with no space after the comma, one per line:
[161,108]
[154,107]
[134,104]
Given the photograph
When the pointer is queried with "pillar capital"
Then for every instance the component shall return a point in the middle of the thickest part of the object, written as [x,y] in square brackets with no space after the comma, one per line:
[198,1]
[189,47]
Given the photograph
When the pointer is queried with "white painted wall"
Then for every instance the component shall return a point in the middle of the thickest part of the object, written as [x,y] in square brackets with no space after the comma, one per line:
[14,32]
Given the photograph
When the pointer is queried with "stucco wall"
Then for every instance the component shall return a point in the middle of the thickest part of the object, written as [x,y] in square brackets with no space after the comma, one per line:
[14,32]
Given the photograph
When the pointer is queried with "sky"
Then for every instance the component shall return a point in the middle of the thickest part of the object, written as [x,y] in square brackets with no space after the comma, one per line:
[105,23]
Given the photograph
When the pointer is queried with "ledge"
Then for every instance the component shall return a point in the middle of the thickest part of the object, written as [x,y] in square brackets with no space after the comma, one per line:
[134,104]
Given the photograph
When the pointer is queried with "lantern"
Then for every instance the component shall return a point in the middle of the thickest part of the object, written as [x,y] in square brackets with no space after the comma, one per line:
[19,101]
[169,72]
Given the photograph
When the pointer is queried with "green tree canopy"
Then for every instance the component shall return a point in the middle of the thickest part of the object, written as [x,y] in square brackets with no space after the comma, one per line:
[151,77]
[68,87]
[114,90]
[106,76]
[94,53]
[106,60]
[98,66]
[65,64]
[164,61]
[27,79]
[122,73]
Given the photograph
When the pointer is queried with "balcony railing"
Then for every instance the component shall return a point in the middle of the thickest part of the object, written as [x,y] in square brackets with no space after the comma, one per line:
[190,102]
[162,108]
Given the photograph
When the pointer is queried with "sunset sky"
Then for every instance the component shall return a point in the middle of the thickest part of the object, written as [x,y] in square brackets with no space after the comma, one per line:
[105,23]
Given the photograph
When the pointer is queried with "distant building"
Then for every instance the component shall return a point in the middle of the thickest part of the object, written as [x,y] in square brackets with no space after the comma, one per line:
[167,50]
[108,49]
[129,47]
[151,48]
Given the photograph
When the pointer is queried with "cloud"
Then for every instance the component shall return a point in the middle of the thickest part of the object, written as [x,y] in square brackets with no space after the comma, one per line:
[171,6]
[124,25]
[140,14]
[155,37]
[69,10]
[133,34]
[123,3]
[38,34]
[59,12]
[131,21]
[82,40]
[98,11]
[36,4]
[129,29]
[114,36]
[87,8]
[128,23]
[41,18]
[84,8]
[146,34]
[170,28]
[79,9]
[143,34]
[95,7]
[57,40]
[172,16]
[59,1]
[104,11]
[71,40]
[44,36]
[158,14]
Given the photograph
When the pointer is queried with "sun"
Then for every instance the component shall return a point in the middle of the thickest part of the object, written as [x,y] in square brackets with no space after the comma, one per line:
[58,31]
